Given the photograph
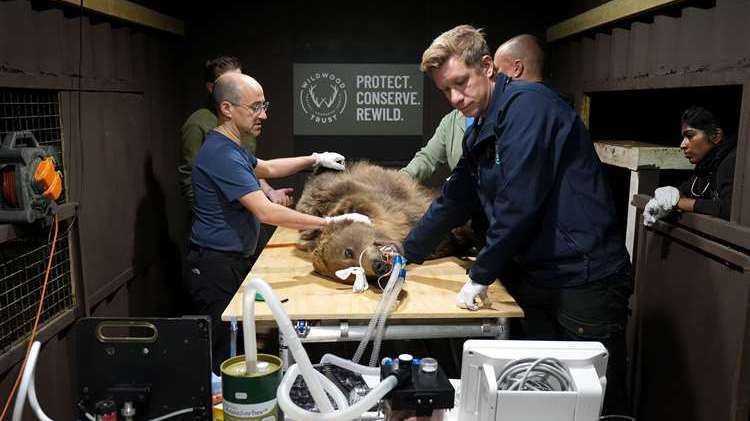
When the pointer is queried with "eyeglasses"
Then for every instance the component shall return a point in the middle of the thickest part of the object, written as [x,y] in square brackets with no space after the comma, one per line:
[255,108]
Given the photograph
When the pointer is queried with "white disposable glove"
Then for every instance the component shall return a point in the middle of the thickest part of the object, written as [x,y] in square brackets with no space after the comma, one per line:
[667,197]
[354,217]
[469,293]
[360,281]
[652,212]
[330,160]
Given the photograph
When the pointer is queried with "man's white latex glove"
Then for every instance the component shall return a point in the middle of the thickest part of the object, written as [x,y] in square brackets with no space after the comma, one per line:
[469,293]
[354,217]
[667,197]
[330,160]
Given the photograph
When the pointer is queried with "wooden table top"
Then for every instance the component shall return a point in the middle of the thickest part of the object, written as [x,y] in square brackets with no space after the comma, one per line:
[429,292]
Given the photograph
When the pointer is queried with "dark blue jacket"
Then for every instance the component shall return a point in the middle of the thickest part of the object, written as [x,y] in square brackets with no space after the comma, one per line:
[530,165]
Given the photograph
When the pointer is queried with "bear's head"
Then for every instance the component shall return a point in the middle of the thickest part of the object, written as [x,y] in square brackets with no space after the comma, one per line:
[345,244]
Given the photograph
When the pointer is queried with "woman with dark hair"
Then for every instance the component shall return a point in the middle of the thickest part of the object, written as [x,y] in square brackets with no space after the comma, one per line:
[709,189]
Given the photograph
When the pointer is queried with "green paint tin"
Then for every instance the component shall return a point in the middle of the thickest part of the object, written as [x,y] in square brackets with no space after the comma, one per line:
[251,397]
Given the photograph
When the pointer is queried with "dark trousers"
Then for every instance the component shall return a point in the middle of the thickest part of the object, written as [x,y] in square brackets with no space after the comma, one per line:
[596,311]
[213,278]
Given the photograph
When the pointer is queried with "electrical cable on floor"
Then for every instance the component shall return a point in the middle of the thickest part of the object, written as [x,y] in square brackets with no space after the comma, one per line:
[615,417]
[32,337]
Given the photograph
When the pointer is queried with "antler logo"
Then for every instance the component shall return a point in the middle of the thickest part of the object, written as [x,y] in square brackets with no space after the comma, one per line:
[323,97]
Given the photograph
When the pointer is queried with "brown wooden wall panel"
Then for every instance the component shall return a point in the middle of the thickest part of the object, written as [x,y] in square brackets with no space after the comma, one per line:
[697,41]
[665,32]
[48,23]
[103,52]
[741,192]
[576,68]
[587,60]
[113,183]
[692,317]
[71,49]
[570,68]
[18,48]
[638,51]
[618,63]
[733,44]
[602,56]
[138,41]
[88,50]
[123,54]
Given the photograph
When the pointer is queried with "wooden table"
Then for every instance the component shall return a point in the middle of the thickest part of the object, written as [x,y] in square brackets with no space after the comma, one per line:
[426,303]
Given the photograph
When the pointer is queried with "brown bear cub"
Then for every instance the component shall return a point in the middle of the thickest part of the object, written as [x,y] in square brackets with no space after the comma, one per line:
[393,201]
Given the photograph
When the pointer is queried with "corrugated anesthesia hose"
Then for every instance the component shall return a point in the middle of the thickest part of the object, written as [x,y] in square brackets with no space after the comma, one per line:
[319,385]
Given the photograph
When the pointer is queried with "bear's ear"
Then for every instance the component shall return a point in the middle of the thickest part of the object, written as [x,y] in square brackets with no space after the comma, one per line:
[355,203]
[318,260]
[306,245]
[308,239]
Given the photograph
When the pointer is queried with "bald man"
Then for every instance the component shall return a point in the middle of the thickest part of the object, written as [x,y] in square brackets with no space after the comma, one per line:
[230,205]
[519,58]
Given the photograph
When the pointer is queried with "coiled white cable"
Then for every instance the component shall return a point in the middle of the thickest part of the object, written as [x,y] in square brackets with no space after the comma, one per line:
[535,374]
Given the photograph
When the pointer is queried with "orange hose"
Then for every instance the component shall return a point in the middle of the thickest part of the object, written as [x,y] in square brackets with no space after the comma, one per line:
[279,245]
[9,186]
[36,324]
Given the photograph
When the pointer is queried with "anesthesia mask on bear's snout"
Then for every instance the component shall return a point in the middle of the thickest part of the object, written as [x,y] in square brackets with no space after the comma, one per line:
[386,251]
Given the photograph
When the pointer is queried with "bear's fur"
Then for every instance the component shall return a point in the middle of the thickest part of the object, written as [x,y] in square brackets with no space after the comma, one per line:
[393,201]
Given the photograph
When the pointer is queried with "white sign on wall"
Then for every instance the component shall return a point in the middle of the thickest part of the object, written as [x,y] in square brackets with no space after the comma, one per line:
[357,99]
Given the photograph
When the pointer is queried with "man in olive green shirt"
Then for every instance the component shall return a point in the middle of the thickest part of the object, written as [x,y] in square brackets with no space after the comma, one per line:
[445,147]
[520,58]
[204,120]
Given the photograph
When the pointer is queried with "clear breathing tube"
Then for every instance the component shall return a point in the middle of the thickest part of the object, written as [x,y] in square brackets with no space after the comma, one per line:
[390,299]
[320,387]
[377,322]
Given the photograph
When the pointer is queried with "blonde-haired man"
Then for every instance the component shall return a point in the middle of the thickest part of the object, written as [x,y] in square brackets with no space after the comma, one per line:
[530,167]
[520,58]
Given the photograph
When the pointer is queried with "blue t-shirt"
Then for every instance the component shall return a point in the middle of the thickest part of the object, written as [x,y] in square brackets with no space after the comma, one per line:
[469,122]
[223,172]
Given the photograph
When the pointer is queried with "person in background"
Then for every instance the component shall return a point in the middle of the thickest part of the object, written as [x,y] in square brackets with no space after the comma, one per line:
[229,204]
[709,189]
[197,126]
[520,58]
[529,165]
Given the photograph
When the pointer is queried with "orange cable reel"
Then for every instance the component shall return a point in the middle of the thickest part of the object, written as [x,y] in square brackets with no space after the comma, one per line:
[47,179]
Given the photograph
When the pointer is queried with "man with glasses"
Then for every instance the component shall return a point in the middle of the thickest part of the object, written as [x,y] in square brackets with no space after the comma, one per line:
[200,122]
[229,204]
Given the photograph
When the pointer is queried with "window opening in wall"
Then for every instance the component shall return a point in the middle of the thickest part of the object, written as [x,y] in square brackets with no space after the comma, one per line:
[652,116]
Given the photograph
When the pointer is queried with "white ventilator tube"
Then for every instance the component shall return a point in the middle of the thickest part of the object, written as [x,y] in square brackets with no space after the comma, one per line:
[315,381]
[392,289]
[27,387]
